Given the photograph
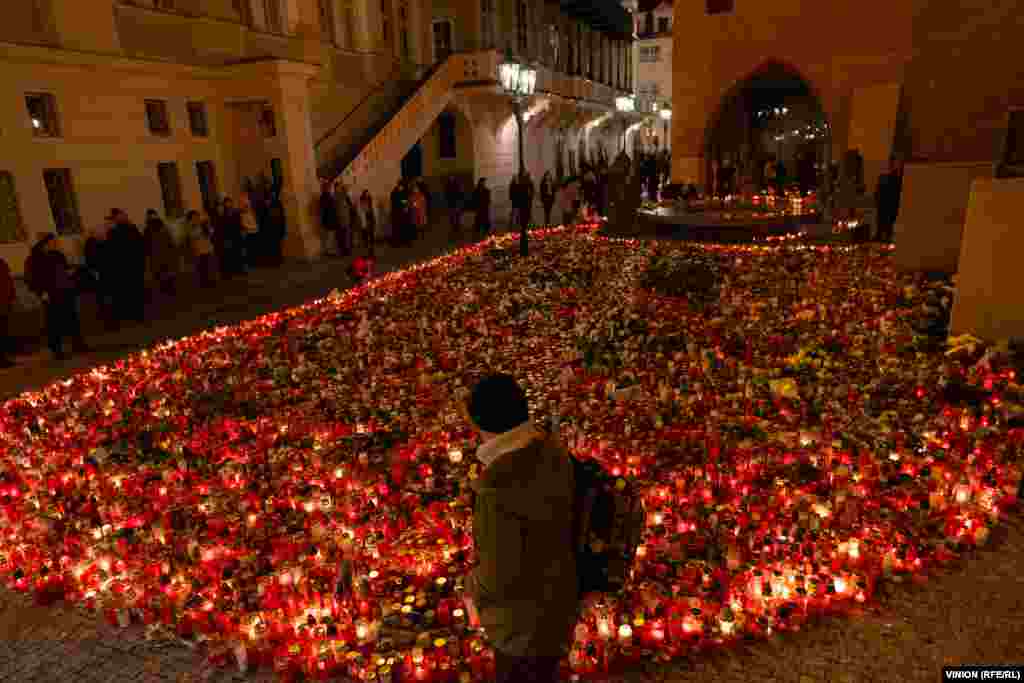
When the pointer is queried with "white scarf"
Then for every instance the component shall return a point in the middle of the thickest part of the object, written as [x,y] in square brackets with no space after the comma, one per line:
[506,442]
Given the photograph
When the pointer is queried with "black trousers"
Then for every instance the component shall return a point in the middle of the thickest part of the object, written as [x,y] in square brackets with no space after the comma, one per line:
[62,321]
[510,669]
[547,213]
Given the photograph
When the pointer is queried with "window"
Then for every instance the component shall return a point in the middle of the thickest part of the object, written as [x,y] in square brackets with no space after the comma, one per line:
[63,203]
[207,175]
[327,28]
[403,27]
[487,22]
[274,16]
[1011,165]
[650,53]
[11,227]
[277,172]
[197,119]
[42,111]
[156,117]
[385,13]
[170,189]
[442,39]
[350,27]
[446,135]
[664,25]
[649,23]
[719,6]
[267,123]
[521,26]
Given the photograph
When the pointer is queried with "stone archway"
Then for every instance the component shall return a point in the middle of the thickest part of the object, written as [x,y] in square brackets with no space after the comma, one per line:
[449,149]
[774,114]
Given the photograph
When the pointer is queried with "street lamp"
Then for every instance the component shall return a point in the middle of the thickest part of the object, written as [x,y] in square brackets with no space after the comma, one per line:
[519,81]
[666,116]
[626,104]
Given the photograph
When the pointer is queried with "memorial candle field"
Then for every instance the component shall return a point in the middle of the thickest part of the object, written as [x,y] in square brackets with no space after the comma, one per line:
[292,493]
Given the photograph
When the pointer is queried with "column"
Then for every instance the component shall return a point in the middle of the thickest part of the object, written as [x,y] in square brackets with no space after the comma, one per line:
[300,192]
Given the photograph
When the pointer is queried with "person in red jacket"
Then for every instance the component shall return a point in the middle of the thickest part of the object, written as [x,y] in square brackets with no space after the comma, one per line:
[7,296]
[362,268]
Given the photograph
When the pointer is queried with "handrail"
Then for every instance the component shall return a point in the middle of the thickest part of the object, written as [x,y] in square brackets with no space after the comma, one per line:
[373,91]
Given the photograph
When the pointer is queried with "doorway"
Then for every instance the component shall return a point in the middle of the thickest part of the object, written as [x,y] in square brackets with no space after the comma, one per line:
[412,162]
[444,39]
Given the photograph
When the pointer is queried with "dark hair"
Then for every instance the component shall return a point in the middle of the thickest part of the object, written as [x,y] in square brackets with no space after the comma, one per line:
[498,404]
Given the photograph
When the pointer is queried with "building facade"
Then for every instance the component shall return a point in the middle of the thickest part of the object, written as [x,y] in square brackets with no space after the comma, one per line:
[923,80]
[172,104]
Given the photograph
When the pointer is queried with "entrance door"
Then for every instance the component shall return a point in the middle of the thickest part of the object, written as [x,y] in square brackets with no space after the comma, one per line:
[207,182]
[412,163]
[443,45]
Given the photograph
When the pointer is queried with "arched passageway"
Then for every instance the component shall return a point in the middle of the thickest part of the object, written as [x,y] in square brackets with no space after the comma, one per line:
[770,130]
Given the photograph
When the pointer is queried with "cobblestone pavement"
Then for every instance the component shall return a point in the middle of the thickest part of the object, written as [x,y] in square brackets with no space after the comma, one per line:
[972,613]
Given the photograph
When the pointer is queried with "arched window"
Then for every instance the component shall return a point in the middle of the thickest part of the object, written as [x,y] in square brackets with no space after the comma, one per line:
[328,29]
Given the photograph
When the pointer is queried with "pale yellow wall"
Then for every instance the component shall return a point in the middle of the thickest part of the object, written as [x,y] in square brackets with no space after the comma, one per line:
[990,288]
[105,141]
[933,208]
[873,126]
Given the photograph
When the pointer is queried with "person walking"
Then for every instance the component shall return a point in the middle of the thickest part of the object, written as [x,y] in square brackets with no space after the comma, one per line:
[98,266]
[160,253]
[453,199]
[233,235]
[277,229]
[8,295]
[524,591]
[48,276]
[369,222]
[345,226]
[400,218]
[252,253]
[482,207]
[127,266]
[887,199]
[547,196]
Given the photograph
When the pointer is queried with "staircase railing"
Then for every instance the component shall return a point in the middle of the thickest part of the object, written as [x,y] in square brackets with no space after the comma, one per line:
[335,166]
[417,112]
[395,68]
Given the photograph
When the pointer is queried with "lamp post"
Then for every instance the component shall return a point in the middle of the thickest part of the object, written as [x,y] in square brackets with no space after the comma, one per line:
[625,104]
[518,80]
[666,116]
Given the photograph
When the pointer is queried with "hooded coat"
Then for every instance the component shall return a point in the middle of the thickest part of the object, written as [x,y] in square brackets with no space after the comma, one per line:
[525,586]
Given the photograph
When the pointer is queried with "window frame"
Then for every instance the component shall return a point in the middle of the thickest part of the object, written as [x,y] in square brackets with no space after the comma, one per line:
[166,113]
[664,25]
[170,192]
[268,121]
[51,127]
[717,7]
[68,179]
[198,108]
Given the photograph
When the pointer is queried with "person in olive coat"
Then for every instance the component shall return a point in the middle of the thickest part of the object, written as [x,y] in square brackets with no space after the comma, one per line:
[524,591]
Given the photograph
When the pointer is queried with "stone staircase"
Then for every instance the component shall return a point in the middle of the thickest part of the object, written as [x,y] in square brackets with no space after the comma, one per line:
[369,157]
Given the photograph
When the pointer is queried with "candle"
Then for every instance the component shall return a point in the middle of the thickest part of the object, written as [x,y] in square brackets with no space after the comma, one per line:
[625,634]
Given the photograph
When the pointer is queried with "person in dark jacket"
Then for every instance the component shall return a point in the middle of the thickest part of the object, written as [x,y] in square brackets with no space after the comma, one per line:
[402,229]
[330,218]
[277,229]
[47,272]
[453,198]
[127,253]
[482,207]
[524,590]
[369,222]
[161,252]
[887,199]
[99,266]
[232,236]
[547,196]
[8,295]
